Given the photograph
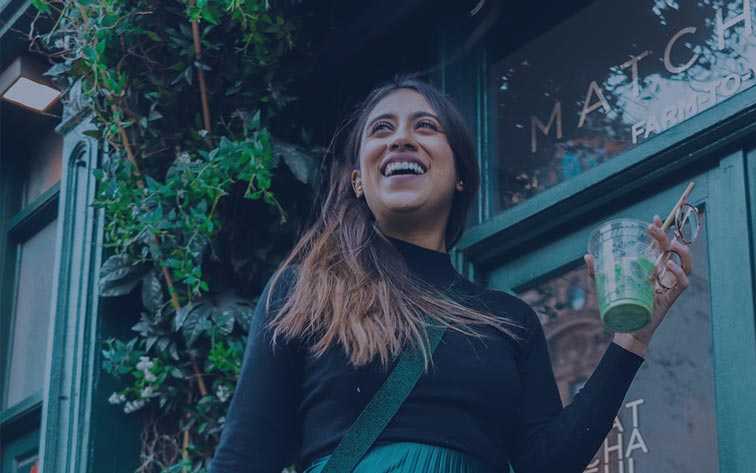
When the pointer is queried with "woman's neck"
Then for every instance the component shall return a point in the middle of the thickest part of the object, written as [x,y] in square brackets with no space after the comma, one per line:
[426,240]
[430,265]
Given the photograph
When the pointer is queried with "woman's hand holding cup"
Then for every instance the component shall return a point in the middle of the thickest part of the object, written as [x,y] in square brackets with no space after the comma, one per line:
[638,341]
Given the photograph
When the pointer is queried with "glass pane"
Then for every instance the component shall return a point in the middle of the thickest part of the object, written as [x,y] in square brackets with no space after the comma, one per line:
[20,454]
[32,315]
[28,465]
[44,167]
[616,74]
[668,419]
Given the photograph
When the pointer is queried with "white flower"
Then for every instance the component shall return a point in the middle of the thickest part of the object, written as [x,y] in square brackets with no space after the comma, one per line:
[222,393]
[145,363]
[203,133]
[184,157]
[132,406]
[116,398]
[149,392]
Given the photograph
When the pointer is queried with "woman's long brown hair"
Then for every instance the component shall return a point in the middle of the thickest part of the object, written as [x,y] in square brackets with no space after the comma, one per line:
[353,287]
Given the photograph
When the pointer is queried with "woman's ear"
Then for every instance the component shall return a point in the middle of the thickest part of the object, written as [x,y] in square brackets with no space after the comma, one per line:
[357,183]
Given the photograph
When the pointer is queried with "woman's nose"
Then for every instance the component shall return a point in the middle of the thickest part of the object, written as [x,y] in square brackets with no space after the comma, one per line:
[401,142]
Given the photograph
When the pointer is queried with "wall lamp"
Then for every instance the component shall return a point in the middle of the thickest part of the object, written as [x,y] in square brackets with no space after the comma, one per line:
[24,84]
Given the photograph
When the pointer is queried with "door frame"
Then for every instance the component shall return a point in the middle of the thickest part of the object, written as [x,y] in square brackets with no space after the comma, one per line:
[726,192]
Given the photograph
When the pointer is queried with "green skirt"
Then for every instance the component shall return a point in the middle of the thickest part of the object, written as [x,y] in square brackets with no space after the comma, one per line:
[410,457]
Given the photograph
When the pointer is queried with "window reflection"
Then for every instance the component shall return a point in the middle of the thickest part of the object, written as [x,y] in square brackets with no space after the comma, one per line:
[616,74]
[667,422]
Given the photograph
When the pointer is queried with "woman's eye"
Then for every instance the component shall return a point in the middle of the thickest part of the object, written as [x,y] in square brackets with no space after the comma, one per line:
[379,126]
[427,124]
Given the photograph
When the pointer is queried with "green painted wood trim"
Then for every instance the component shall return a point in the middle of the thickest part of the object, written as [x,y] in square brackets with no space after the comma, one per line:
[565,252]
[732,306]
[20,447]
[487,177]
[691,144]
[10,12]
[84,433]
[20,416]
[9,191]
[35,215]
[72,338]
[751,189]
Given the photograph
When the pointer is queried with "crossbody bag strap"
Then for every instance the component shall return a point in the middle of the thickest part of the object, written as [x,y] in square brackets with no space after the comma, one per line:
[382,407]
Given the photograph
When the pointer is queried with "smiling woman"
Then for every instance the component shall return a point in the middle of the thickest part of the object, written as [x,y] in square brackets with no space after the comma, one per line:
[407,169]
[371,279]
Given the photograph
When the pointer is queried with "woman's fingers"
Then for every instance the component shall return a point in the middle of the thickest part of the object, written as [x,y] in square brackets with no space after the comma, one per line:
[655,230]
[682,278]
[589,263]
[686,258]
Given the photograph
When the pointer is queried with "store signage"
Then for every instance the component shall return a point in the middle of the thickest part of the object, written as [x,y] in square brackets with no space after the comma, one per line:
[617,73]
[727,85]
[623,445]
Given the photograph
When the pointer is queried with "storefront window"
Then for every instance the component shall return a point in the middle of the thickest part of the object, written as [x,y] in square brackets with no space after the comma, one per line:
[618,73]
[667,421]
[32,316]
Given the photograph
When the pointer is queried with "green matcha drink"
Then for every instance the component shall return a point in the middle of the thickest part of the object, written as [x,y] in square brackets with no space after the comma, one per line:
[623,262]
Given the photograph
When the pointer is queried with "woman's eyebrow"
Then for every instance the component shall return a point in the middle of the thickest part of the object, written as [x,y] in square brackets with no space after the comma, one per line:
[417,115]
[413,116]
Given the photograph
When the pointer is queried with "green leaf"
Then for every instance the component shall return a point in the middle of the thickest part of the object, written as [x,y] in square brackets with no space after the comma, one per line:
[153,36]
[210,17]
[41,5]
[58,69]
[301,164]
[195,324]
[152,292]
[163,343]
[256,121]
[203,66]
[149,343]
[241,309]
[181,315]
[224,320]
[97,134]
[119,275]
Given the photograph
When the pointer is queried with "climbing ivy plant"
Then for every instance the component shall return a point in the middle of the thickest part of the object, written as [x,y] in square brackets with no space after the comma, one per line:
[199,210]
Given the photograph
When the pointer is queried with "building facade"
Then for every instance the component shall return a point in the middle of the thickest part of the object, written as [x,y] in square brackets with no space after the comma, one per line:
[582,111]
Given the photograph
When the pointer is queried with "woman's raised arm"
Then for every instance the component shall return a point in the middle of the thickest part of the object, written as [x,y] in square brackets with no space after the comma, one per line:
[550,439]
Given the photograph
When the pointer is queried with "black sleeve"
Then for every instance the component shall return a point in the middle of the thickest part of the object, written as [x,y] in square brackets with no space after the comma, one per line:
[262,427]
[551,439]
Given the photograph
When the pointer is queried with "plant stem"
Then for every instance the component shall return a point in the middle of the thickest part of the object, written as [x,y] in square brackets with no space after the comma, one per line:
[200,71]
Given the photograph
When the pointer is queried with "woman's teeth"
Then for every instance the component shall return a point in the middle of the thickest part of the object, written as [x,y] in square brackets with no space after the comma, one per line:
[400,166]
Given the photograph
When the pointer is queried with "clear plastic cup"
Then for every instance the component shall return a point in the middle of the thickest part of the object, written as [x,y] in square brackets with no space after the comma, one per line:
[623,258]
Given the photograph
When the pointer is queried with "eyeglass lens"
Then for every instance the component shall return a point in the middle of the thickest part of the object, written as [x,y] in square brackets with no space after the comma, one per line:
[686,223]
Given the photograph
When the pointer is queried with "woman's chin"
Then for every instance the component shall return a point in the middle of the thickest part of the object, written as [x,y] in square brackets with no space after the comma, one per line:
[404,205]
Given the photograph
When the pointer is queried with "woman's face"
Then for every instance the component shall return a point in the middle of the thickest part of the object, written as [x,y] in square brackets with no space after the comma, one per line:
[407,171]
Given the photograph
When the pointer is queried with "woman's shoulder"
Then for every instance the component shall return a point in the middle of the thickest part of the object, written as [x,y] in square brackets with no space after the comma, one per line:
[502,303]
[279,286]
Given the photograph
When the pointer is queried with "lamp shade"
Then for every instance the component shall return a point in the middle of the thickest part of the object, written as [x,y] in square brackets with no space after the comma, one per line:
[23,83]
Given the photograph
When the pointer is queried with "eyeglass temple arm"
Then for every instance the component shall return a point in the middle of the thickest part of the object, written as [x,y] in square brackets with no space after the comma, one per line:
[671,217]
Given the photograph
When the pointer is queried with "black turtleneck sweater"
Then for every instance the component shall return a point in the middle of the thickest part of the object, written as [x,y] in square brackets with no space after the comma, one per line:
[494,399]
